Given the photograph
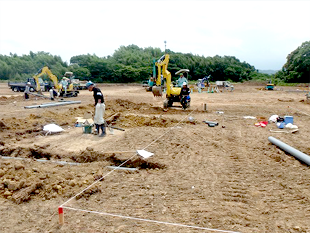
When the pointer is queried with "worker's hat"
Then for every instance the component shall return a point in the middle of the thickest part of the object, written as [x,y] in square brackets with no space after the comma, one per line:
[28,83]
[181,74]
[184,84]
[89,83]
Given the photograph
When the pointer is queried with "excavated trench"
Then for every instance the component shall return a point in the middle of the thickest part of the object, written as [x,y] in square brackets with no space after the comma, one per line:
[82,157]
[119,113]
[36,172]
[22,178]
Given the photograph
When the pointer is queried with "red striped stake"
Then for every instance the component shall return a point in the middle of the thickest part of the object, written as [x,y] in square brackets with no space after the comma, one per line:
[61,215]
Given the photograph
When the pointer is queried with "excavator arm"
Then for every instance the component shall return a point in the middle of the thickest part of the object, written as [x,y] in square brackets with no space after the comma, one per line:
[162,66]
[69,92]
[36,78]
[46,70]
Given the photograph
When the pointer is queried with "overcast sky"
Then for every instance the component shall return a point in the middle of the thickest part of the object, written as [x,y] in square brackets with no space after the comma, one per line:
[261,33]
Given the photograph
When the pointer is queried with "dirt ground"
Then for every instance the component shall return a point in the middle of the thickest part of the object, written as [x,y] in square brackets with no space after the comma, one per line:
[228,177]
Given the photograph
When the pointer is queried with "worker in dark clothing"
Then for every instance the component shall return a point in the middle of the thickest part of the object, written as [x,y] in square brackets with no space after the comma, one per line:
[184,90]
[97,92]
[100,108]
[53,93]
[27,91]
[184,95]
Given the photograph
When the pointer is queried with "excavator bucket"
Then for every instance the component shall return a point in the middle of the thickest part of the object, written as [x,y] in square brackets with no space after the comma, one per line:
[157,91]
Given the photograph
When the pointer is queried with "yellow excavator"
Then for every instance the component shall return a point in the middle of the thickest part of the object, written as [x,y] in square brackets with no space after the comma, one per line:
[172,93]
[63,92]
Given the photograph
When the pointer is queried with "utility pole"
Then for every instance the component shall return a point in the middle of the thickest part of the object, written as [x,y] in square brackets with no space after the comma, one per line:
[165,45]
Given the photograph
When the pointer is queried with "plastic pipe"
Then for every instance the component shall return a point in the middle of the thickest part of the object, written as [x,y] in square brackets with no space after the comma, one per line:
[123,168]
[40,160]
[53,104]
[296,153]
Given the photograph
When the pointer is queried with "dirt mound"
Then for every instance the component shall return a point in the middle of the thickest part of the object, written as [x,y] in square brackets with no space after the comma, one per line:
[36,152]
[24,180]
[37,173]
[131,105]
[2,126]
[5,100]
[133,120]
[89,155]
[32,125]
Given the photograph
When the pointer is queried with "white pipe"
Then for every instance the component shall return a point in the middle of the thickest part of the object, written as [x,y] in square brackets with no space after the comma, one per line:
[296,153]
[53,104]
[123,168]
[40,160]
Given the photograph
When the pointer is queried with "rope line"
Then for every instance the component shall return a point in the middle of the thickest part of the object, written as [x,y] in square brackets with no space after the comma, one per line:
[149,220]
[299,110]
[88,187]
[170,129]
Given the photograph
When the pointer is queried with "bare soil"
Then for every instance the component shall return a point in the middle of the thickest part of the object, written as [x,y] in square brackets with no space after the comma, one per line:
[228,177]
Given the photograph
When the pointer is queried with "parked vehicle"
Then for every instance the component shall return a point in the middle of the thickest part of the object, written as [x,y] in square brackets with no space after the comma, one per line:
[224,85]
[20,86]
[269,86]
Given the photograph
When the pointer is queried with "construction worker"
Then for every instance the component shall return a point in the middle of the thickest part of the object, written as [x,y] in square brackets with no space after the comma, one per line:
[151,82]
[53,93]
[27,90]
[64,84]
[184,94]
[206,79]
[181,80]
[100,107]
[98,119]
[97,92]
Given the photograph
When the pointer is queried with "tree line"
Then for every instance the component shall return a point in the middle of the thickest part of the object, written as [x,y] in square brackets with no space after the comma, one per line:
[297,66]
[134,64]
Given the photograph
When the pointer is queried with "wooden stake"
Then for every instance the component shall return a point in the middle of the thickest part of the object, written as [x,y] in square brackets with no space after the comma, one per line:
[61,215]
[204,107]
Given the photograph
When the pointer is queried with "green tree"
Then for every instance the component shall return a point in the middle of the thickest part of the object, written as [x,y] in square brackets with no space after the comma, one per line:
[82,73]
[297,66]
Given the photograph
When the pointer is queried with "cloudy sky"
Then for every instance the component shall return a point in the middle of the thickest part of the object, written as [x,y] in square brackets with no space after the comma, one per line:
[261,33]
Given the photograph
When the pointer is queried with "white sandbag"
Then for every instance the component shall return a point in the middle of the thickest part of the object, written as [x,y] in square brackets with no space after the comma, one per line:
[52,128]
[291,126]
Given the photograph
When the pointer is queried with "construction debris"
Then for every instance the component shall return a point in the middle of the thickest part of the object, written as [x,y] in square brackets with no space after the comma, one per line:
[211,123]
[144,154]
